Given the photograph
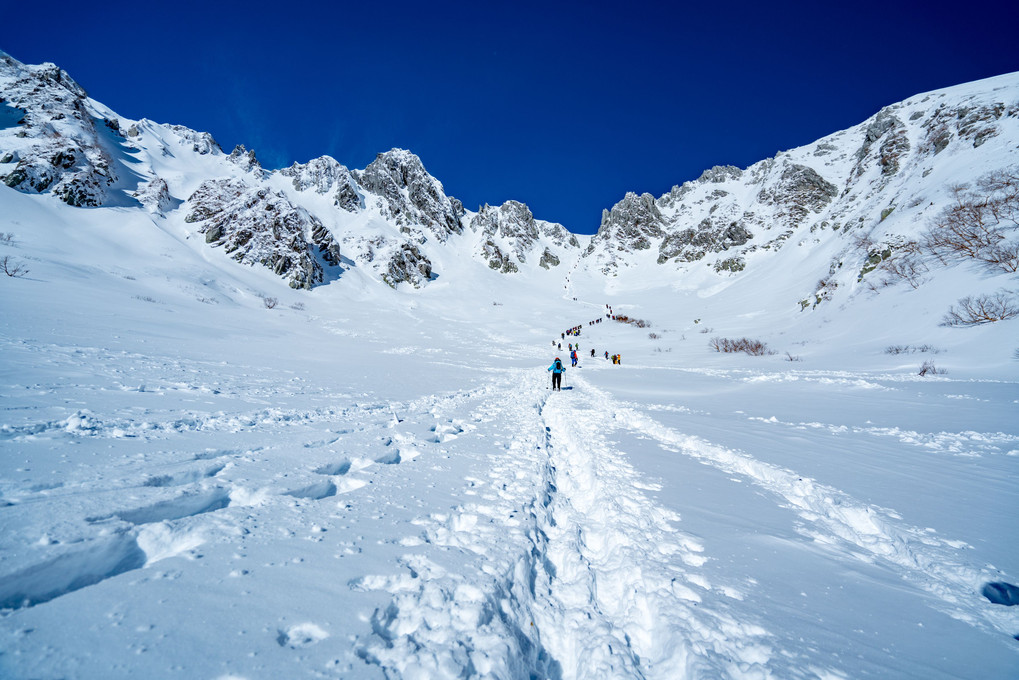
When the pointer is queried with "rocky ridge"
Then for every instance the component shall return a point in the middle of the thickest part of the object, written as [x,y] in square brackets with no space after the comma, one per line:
[395,219]
[51,142]
[509,235]
[844,186]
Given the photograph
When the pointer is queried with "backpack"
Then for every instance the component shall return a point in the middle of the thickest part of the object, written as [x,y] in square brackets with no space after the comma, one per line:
[558,366]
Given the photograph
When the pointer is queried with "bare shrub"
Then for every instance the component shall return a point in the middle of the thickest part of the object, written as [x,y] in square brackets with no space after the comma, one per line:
[653,336]
[911,349]
[297,306]
[928,368]
[270,302]
[895,261]
[982,224]
[731,345]
[12,268]
[790,357]
[6,238]
[972,311]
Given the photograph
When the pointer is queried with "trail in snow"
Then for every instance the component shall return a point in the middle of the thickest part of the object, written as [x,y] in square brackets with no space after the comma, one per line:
[579,572]
[576,572]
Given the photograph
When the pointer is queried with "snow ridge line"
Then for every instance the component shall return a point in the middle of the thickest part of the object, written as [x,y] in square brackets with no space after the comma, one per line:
[925,560]
[616,598]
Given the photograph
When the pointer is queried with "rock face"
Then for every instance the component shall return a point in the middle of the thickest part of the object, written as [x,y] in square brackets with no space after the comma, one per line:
[408,265]
[155,195]
[258,226]
[636,223]
[324,175]
[800,191]
[409,196]
[510,236]
[54,137]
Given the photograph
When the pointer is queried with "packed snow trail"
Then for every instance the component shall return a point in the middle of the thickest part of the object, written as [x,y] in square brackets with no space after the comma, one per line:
[622,589]
[581,573]
[577,572]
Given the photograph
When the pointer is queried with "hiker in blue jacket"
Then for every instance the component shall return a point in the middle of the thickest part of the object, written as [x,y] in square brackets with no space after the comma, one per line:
[557,369]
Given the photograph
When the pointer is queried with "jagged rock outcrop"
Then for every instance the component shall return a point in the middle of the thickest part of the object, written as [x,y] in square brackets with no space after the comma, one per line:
[409,196]
[634,223]
[325,175]
[548,260]
[245,159]
[799,191]
[53,135]
[893,136]
[258,226]
[688,245]
[408,265]
[510,237]
[395,261]
[201,143]
[155,195]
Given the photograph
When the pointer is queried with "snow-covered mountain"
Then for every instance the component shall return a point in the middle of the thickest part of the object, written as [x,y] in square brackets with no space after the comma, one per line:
[296,423]
[852,195]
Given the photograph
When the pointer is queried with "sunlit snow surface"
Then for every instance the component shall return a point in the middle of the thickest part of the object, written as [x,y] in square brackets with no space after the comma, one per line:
[367,483]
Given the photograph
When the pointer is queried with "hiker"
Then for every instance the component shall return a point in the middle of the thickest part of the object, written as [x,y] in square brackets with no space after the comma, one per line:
[592,352]
[557,369]
[573,357]
[606,354]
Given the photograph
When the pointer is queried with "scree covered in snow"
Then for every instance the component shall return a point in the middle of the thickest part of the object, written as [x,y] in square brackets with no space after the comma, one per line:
[206,472]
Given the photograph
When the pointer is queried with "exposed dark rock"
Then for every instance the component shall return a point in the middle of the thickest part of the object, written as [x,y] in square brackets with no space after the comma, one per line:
[259,226]
[324,175]
[408,265]
[409,195]
[799,191]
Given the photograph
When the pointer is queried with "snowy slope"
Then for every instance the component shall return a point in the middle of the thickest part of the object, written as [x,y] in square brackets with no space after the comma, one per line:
[205,472]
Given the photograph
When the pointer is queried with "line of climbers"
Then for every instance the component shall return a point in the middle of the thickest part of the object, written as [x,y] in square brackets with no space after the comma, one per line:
[557,367]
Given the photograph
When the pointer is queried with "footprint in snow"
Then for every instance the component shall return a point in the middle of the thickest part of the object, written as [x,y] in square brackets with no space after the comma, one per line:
[301,635]
[333,469]
[1000,592]
[185,505]
[315,492]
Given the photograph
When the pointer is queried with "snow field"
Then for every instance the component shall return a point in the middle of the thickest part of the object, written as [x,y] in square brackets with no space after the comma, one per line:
[380,484]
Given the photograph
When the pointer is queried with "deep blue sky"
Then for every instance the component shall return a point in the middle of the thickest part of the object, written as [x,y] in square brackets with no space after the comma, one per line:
[564,106]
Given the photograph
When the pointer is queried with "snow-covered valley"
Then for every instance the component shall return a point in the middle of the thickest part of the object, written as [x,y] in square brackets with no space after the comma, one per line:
[208,473]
